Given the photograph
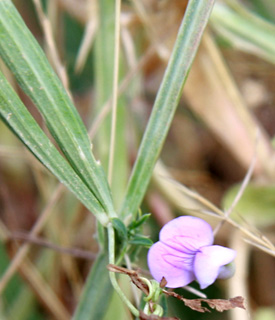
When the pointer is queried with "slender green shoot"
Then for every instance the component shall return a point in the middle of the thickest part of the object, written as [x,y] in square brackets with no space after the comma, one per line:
[115,91]
[111,249]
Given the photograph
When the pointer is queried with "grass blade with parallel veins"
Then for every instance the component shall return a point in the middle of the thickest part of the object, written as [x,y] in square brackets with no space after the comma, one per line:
[244,29]
[20,121]
[189,35]
[27,61]
[104,69]
[97,292]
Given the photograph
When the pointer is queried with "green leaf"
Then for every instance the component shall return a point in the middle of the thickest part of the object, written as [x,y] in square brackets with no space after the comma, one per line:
[244,29]
[265,8]
[137,223]
[186,45]
[97,292]
[119,226]
[141,241]
[104,69]
[27,61]
[20,121]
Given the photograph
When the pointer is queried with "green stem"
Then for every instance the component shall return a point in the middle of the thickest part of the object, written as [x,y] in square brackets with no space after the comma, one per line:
[115,94]
[111,247]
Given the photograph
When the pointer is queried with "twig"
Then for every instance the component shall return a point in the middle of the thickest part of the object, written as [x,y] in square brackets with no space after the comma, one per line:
[79,253]
[195,304]
[122,87]
[243,186]
[239,194]
[47,29]
[134,289]
[88,38]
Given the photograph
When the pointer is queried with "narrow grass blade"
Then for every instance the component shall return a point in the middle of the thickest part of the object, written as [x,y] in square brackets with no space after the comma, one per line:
[24,57]
[19,120]
[265,8]
[104,69]
[189,35]
[245,30]
[97,292]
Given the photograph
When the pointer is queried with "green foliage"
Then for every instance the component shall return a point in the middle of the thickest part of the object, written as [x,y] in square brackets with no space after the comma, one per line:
[244,29]
[132,235]
[77,167]
[166,102]
[27,61]
[97,292]
[16,116]
[103,63]
[141,241]
[139,221]
[121,229]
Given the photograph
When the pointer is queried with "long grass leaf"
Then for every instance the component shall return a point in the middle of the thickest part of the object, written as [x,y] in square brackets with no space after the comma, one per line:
[20,121]
[104,70]
[24,57]
[189,35]
[245,30]
[96,293]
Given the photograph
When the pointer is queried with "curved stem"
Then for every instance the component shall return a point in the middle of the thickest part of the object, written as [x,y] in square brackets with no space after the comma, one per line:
[111,248]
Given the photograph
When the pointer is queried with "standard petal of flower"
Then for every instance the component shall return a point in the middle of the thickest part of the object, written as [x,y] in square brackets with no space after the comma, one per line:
[208,262]
[187,234]
[175,266]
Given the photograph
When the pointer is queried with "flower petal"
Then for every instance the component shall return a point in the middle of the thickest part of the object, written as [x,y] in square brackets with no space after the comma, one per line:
[227,271]
[208,262]
[187,234]
[176,267]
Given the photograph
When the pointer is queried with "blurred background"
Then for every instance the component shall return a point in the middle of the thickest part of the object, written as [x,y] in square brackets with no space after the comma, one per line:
[225,119]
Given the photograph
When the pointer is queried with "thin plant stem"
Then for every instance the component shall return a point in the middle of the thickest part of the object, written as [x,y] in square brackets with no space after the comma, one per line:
[240,192]
[115,91]
[195,291]
[111,248]
[133,287]
[54,56]
[87,41]
[75,252]
[170,189]
[121,89]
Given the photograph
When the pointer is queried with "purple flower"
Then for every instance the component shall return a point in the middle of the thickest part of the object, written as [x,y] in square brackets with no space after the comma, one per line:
[185,252]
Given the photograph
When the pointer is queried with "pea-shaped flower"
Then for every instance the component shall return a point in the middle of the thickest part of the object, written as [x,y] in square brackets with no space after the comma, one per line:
[185,252]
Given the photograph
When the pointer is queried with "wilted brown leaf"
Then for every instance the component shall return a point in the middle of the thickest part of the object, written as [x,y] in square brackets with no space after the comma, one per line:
[223,305]
[218,304]
[132,274]
[195,304]
[163,282]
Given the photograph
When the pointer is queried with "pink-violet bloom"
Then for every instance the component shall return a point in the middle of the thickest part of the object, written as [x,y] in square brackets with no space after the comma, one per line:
[185,252]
